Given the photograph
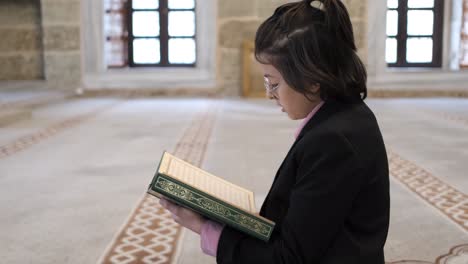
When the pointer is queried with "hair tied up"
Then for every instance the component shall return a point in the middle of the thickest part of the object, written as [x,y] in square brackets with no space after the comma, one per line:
[317,5]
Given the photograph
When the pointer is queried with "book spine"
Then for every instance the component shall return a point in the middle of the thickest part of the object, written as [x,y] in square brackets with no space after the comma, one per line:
[212,207]
[156,174]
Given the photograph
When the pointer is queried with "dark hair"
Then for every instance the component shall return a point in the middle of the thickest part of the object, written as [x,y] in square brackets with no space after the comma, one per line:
[311,45]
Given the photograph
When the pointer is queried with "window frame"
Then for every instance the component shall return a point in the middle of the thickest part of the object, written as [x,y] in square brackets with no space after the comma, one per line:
[111,11]
[163,37]
[463,64]
[402,36]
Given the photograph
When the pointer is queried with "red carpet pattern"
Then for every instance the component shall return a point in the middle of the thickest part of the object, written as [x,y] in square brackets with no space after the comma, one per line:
[30,140]
[457,255]
[150,235]
[35,101]
[448,200]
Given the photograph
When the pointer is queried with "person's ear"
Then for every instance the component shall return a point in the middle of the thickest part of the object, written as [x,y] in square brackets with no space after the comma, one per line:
[315,89]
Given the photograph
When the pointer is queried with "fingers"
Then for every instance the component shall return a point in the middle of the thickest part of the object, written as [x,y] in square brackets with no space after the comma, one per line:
[183,216]
[177,211]
[172,207]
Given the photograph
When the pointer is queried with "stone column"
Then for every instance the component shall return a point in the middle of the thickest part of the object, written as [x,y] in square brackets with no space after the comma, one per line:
[20,44]
[238,21]
[358,12]
[61,41]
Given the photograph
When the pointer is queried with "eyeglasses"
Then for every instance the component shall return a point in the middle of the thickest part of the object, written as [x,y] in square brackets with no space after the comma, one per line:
[269,87]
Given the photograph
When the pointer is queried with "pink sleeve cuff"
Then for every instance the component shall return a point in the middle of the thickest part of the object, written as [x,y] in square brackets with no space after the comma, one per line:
[210,233]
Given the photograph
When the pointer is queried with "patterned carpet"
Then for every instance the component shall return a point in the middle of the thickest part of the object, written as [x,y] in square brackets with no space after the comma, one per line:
[457,255]
[150,235]
[130,247]
[422,195]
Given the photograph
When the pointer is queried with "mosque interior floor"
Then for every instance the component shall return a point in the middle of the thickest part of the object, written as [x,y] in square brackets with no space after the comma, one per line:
[73,173]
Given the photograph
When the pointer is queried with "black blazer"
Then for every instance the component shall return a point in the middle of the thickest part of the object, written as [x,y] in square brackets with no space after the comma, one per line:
[330,197]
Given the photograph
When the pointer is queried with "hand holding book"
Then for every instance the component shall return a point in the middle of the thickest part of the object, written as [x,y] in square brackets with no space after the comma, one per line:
[206,194]
[184,216]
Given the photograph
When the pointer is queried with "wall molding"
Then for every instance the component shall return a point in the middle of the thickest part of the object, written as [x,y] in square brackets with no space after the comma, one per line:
[412,93]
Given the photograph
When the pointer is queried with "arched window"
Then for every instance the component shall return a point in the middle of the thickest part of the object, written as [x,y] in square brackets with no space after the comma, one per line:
[414,33]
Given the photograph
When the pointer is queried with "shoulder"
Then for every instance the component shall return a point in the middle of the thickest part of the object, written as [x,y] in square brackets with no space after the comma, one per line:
[349,130]
[324,142]
[353,116]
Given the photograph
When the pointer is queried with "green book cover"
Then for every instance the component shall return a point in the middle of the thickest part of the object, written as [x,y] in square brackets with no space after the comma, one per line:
[209,195]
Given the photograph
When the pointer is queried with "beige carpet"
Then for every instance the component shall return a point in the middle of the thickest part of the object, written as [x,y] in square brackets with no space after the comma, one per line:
[74,174]
[150,235]
[157,224]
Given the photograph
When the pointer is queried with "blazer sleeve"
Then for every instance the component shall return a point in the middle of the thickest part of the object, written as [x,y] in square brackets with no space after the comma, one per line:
[327,180]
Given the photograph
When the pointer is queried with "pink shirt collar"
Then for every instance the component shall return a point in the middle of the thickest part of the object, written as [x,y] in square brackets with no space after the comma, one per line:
[308,117]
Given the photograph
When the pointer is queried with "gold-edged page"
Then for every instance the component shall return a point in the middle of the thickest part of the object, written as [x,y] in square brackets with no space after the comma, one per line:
[166,159]
[207,182]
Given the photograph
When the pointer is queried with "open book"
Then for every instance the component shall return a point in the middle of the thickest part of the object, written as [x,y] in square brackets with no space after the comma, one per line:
[209,195]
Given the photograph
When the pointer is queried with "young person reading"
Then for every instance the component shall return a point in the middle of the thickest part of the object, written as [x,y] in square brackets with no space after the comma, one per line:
[330,196]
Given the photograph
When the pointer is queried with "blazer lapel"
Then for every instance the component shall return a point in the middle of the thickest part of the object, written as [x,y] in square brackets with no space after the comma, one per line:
[329,108]
[322,114]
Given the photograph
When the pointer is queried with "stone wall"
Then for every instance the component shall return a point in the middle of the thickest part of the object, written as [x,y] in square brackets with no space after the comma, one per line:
[238,20]
[61,41]
[42,41]
[21,56]
[358,12]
